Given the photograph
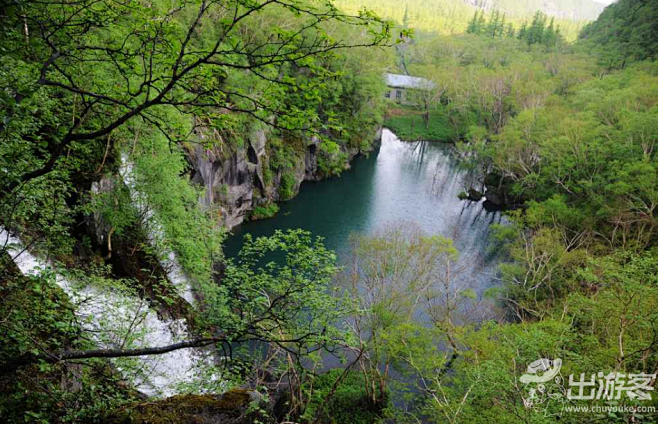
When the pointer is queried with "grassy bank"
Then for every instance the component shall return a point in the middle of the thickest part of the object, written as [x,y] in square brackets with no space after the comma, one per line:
[407,123]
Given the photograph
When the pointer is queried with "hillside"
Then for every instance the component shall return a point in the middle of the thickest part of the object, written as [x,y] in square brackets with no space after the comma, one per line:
[576,10]
[451,16]
[625,32]
[222,211]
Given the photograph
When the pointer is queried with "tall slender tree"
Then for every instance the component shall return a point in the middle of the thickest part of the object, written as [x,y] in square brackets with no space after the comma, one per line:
[510,32]
[472,24]
[481,24]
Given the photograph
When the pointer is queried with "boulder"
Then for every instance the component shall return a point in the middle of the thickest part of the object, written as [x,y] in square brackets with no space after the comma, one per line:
[474,195]
[229,408]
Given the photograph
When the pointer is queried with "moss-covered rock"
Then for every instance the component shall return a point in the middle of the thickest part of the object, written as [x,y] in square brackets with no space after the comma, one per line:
[229,408]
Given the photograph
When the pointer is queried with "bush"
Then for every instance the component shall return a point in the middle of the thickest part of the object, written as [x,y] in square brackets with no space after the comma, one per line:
[331,161]
[287,186]
[350,403]
[265,211]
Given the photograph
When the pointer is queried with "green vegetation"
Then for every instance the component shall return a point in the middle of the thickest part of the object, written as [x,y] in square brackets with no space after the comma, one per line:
[331,161]
[408,124]
[570,144]
[287,186]
[102,103]
[624,33]
[41,392]
[450,17]
[344,403]
[264,212]
[185,409]
[539,31]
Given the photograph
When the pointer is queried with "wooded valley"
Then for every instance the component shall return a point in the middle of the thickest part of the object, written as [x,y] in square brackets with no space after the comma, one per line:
[135,136]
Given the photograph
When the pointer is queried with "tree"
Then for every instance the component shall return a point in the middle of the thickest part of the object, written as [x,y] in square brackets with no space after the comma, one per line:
[395,278]
[286,304]
[537,27]
[550,36]
[473,23]
[492,27]
[523,32]
[481,24]
[623,33]
[140,63]
[510,32]
[502,27]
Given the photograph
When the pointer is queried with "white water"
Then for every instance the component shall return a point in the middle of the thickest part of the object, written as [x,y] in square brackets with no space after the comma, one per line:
[117,319]
[155,232]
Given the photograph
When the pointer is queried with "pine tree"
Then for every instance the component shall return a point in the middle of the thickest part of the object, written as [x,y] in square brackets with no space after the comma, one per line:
[492,27]
[481,24]
[550,36]
[558,36]
[523,32]
[472,25]
[500,30]
[510,31]
[537,28]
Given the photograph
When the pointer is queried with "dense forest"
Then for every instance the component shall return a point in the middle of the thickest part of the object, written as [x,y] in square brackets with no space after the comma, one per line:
[449,17]
[135,135]
[626,31]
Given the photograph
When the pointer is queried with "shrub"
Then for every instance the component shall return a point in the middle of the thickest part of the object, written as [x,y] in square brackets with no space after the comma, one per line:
[331,161]
[350,403]
[287,186]
[264,211]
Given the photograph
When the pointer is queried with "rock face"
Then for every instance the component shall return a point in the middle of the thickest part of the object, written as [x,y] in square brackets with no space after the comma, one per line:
[499,193]
[229,181]
[235,182]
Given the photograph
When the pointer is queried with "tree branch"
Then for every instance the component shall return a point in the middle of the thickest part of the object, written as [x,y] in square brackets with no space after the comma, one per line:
[28,359]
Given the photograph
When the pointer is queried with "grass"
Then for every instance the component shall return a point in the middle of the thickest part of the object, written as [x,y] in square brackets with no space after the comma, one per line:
[407,123]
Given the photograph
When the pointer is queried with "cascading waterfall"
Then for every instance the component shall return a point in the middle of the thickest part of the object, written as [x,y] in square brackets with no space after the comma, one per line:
[155,232]
[121,319]
[117,318]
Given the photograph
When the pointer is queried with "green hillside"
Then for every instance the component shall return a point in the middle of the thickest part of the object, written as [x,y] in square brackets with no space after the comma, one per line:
[452,16]
[626,31]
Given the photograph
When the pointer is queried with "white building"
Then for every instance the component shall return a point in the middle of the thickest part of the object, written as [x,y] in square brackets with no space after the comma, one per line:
[402,88]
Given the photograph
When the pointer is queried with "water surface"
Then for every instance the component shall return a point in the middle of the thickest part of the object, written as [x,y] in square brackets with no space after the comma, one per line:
[401,181]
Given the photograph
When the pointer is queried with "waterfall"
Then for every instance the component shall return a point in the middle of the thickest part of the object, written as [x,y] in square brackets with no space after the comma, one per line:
[154,231]
[117,318]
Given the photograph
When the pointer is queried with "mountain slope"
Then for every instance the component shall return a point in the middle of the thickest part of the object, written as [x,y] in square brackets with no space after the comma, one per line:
[626,31]
[575,10]
[452,16]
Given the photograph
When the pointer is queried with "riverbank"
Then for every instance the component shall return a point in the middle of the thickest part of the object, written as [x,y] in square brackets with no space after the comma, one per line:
[407,123]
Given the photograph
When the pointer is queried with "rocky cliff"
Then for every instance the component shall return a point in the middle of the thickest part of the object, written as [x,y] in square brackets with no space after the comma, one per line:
[239,179]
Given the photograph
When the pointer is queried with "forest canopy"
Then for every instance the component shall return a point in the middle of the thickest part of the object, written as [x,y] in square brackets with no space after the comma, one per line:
[135,134]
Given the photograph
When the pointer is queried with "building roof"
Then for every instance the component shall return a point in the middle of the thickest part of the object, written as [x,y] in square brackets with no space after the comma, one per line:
[405,81]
